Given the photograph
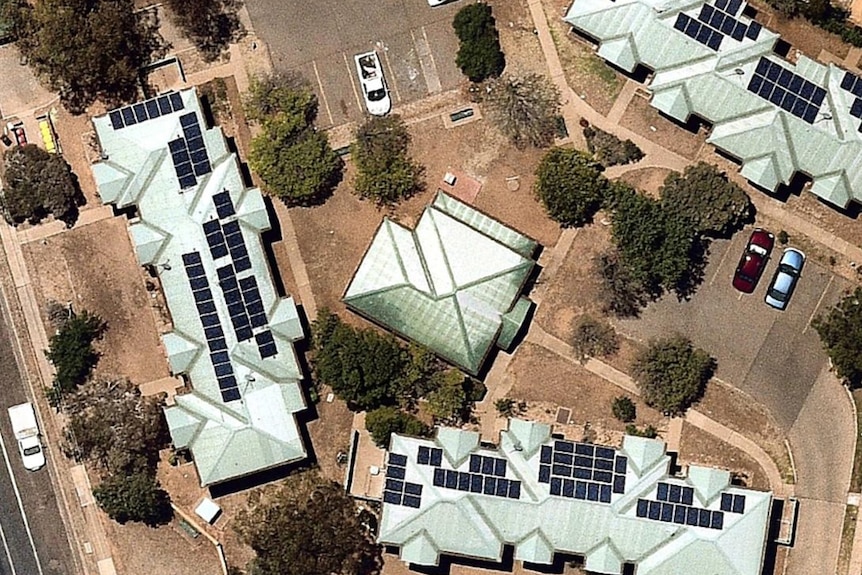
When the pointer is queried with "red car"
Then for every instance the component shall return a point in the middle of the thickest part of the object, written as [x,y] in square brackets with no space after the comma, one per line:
[753,260]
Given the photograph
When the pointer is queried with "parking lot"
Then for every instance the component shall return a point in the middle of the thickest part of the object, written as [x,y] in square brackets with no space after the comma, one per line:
[415,42]
[775,356]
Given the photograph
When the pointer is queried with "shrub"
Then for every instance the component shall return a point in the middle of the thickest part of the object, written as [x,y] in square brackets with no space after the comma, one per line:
[672,374]
[840,331]
[525,108]
[624,409]
[385,172]
[71,350]
[384,421]
[622,294]
[570,185]
[649,431]
[610,150]
[479,55]
[594,338]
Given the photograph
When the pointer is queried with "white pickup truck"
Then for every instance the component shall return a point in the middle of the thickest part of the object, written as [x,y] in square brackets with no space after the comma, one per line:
[26,431]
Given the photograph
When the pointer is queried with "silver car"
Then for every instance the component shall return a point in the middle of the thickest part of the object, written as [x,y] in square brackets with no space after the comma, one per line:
[785,278]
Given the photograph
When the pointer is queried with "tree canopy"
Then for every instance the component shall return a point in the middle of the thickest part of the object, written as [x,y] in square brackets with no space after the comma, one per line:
[37,184]
[840,331]
[136,497]
[525,108]
[610,150]
[71,350]
[361,366]
[87,49]
[704,196]
[307,526]
[384,421]
[672,374]
[449,402]
[570,185]
[386,173]
[594,338]
[479,55]
[294,160]
[211,25]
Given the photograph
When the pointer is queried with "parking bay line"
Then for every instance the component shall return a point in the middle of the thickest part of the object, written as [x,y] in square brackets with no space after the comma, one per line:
[322,92]
[391,73]
[720,263]
[819,301]
[432,77]
[350,73]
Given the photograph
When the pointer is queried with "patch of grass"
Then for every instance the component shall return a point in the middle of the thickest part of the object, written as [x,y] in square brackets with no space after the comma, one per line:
[584,62]
[592,64]
[848,532]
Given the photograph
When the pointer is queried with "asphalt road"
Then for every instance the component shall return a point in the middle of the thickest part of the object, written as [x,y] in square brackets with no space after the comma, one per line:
[33,540]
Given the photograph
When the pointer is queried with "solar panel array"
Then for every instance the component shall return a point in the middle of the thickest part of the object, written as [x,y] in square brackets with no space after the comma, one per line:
[189,153]
[675,504]
[733,503]
[582,471]
[487,475]
[396,491]
[853,84]
[787,90]
[147,110]
[212,326]
[715,22]
[429,456]
[227,239]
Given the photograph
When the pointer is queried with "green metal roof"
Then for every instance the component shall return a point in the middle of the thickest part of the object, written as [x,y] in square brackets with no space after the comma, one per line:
[689,78]
[228,438]
[477,524]
[448,284]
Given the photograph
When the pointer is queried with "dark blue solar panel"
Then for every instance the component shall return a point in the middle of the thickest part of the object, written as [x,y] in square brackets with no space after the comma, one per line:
[164,105]
[116,120]
[654,510]
[488,465]
[592,492]
[662,492]
[856,108]
[666,512]
[198,283]
[411,501]
[604,464]
[687,495]
[642,508]
[753,30]
[191,258]
[580,490]
[544,457]
[584,449]
[394,485]
[564,458]
[583,473]
[717,520]
[397,459]
[714,41]
[176,101]
[675,494]
[565,446]
[799,107]
[491,485]
[392,498]
[693,516]
[848,81]
[544,473]
[187,182]
[774,72]
[219,357]
[476,483]
[195,143]
[463,482]
[556,485]
[784,78]
[128,116]
[500,467]
[231,394]
[396,472]
[620,464]
[762,66]
[619,484]
[706,12]
[810,114]
[226,273]
[738,31]
[206,307]
[605,452]
[727,24]
[602,476]
[679,514]
[777,95]
[681,22]
[739,503]
[217,344]
[807,90]
[788,102]
[819,94]
[733,6]
[152,109]
[176,145]
[439,477]
[202,168]
[502,487]
[705,518]
[568,488]
[721,4]
[563,470]
[703,34]
[857,88]
[605,493]
[140,112]
[726,501]
[196,270]
[209,319]
[223,369]
[514,490]
[188,119]
[213,332]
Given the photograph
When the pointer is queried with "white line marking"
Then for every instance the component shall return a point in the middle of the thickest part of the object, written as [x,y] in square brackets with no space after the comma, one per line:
[20,504]
[391,81]
[6,548]
[720,263]
[435,75]
[322,91]
[819,301]
[350,73]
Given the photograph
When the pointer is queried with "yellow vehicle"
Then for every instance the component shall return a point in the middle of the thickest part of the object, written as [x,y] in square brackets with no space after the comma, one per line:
[49,138]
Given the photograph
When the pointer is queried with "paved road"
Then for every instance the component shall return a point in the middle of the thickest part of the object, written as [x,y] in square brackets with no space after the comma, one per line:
[42,545]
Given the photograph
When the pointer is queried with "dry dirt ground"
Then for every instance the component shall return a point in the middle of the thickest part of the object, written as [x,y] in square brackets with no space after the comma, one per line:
[521,47]
[586,73]
[645,120]
[648,180]
[94,268]
[800,33]
[701,448]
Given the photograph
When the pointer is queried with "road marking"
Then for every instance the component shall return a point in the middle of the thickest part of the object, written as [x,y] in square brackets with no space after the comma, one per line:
[350,72]
[433,82]
[819,301]
[720,263]
[391,73]
[322,92]
[20,505]
[6,548]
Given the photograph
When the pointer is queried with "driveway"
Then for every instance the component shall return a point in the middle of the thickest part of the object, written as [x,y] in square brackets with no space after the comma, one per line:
[318,39]
[775,356]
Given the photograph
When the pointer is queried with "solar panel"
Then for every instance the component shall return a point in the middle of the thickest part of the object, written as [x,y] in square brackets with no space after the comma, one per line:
[584,449]
[563,470]
[583,473]
[733,6]
[580,490]
[502,487]
[152,109]
[397,459]
[703,34]
[642,508]
[807,90]
[620,464]
[568,488]
[206,307]
[188,119]
[654,510]
[140,112]
[739,503]
[777,95]
[721,4]
[681,22]
[726,502]
[219,357]
[187,182]
[706,12]
[692,516]
[602,476]
[753,30]
[210,319]
[476,483]
[592,492]
[556,485]
[544,457]
[666,512]
[605,493]
[856,108]
[687,495]
[116,119]
[675,494]
[439,477]
[714,42]
[565,446]
[773,72]
[176,101]
[738,31]
[662,492]
[217,344]
[196,270]
[231,394]
[223,369]
[464,482]
[810,114]
[164,105]
[392,498]
[619,484]
[679,514]
[544,473]
[857,88]
[717,520]
[396,472]
[191,258]
[128,116]
[514,490]
[784,77]
[436,457]
[224,205]
[788,102]
[564,458]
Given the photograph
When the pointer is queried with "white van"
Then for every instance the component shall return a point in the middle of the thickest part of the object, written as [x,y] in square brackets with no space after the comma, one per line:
[26,429]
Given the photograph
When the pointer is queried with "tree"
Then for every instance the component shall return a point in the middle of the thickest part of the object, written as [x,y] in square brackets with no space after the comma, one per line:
[38,184]
[657,249]
[385,172]
[479,55]
[211,25]
[294,160]
[594,338]
[71,350]
[840,331]
[307,526]
[624,408]
[610,150]
[135,497]
[621,295]
[570,185]
[524,108]
[508,407]
[113,427]
[704,196]
[420,376]
[384,421]
[362,367]
[672,374]
[87,49]
[449,403]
